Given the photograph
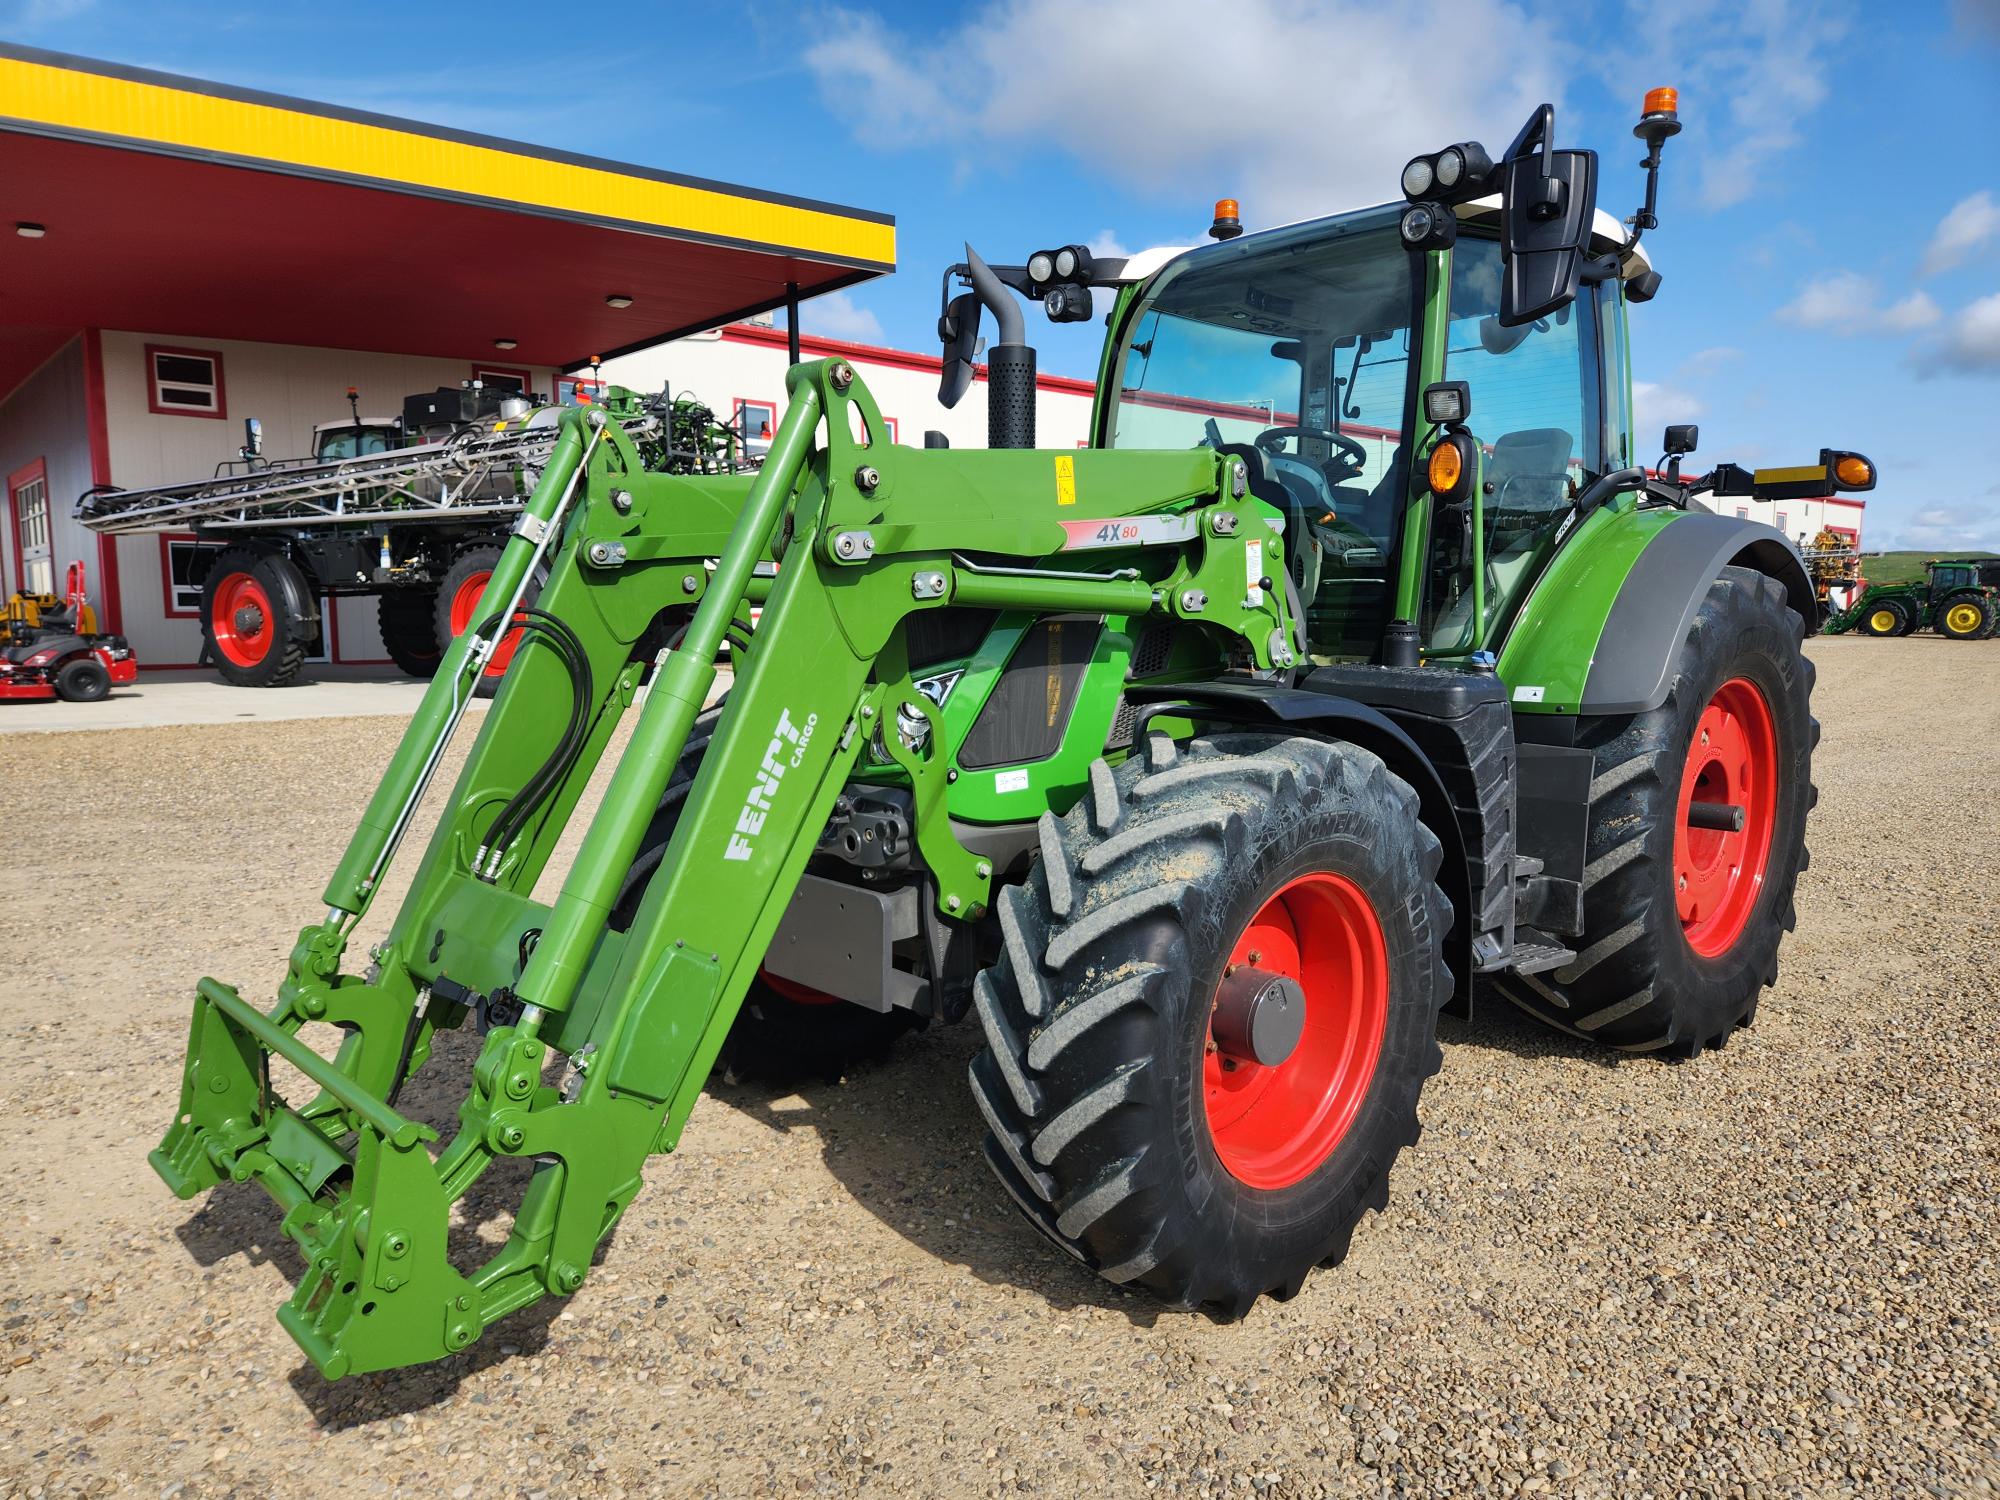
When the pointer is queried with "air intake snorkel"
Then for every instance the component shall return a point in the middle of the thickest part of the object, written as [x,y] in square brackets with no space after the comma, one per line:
[1010,363]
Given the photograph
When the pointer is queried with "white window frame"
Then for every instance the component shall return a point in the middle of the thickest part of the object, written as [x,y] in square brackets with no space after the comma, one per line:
[218,404]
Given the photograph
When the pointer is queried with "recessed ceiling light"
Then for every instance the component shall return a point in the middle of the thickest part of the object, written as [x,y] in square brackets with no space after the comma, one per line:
[30,231]
[504,343]
[618,299]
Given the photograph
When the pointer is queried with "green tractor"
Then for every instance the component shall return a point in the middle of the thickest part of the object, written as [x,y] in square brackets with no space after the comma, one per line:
[1356,660]
[1959,600]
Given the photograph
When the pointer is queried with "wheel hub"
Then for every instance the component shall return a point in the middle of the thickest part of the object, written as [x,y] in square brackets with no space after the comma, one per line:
[249,619]
[1259,1016]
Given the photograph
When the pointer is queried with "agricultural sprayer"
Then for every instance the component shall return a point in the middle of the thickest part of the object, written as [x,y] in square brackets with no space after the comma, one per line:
[1355,659]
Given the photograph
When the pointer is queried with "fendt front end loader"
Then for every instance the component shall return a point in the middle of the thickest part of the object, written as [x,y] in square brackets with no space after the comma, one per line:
[1355,659]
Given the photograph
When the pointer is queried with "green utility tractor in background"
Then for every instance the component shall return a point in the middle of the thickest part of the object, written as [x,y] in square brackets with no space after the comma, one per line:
[1356,660]
[1959,600]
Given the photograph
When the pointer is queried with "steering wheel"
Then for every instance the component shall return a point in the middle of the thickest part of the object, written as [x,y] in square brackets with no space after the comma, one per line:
[1356,456]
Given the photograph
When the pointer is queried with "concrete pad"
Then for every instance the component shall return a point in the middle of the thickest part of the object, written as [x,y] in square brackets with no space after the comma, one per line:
[161,698]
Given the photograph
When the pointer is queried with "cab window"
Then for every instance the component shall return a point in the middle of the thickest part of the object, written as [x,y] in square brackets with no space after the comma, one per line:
[1291,352]
[1537,413]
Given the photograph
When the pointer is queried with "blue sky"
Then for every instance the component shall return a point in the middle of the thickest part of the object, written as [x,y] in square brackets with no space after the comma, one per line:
[1830,216]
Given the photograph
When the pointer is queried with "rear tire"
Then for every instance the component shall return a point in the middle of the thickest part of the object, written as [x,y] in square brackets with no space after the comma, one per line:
[407,619]
[1965,617]
[83,680]
[1116,1124]
[1885,619]
[1682,925]
[462,605]
[257,617]
[776,1038]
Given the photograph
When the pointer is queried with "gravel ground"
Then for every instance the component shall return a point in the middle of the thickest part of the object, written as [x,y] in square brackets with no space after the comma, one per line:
[1770,1271]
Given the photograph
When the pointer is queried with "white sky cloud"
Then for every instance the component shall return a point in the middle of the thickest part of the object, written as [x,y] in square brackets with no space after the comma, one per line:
[1848,303]
[1704,363]
[1970,344]
[1971,223]
[837,316]
[1940,528]
[1915,311]
[1107,244]
[1656,406]
[1307,139]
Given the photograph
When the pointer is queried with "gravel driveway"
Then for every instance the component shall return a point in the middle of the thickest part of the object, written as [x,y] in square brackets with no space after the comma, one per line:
[1769,1271]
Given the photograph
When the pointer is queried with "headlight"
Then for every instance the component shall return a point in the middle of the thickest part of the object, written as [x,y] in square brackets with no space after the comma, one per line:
[1450,167]
[1418,177]
[1041,266]
[1066,262]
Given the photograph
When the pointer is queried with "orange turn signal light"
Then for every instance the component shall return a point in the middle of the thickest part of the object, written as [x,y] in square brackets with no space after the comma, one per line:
[1661,101]
[1446,468]
[1853,470]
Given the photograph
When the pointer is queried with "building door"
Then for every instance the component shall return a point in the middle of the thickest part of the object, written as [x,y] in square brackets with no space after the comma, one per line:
[28,490]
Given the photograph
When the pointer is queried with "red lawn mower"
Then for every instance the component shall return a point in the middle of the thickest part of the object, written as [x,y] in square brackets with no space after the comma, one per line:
[50,647]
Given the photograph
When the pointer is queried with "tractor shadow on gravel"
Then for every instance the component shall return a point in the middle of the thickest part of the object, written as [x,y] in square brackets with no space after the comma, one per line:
[903,1137]
[1498,1026]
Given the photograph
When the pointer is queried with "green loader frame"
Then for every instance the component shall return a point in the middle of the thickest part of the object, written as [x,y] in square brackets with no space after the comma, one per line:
[1052,732]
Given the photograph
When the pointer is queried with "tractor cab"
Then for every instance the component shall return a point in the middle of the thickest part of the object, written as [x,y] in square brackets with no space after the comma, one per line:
[335,441]
[1305,351]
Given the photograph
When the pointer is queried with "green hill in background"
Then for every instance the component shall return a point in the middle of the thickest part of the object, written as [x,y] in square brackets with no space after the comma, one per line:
[1906,567]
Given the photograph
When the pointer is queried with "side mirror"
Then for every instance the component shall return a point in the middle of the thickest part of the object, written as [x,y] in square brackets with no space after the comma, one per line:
[253,437]
[958,329]
[1681,438]
[1548,203]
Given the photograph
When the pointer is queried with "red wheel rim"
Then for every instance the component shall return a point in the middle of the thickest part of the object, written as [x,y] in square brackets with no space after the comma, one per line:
[802,994]
[465,614]
[241,620]
[1718,874]
[1274,1126]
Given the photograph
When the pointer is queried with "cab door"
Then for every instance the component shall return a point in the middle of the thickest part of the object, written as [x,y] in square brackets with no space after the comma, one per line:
[1539,412]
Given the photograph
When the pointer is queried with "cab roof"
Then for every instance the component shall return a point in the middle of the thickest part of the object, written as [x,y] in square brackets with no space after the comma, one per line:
[1607,234]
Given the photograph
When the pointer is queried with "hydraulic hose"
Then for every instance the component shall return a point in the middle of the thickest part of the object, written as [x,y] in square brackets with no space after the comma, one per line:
[513,817]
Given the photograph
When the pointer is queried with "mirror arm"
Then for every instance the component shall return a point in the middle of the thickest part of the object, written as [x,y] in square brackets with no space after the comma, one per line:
[1540,129]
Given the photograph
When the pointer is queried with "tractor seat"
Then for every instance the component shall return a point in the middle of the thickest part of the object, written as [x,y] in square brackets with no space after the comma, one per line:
[1529,469]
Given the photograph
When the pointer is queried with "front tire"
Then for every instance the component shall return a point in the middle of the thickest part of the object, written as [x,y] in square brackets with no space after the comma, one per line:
[1886,619]
[257,617]
[84,680]
[1126,1119]
[1682,922]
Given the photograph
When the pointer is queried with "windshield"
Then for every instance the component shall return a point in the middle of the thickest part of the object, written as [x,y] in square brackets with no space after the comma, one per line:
[352,442]
[1291,351]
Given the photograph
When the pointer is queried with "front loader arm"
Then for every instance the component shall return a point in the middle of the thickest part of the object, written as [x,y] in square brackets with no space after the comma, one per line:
[600,1042]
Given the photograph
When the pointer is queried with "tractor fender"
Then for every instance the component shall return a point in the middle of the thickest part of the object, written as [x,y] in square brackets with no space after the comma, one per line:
[1602,627]
[1335,718]
[1656,606]
[301,599]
